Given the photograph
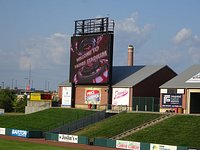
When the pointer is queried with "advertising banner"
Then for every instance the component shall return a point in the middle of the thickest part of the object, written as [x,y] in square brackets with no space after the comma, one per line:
[2,131]
[66,96]
[171,100]
[68,138]
[162,147]
[35,96]
[2,111]
[120,96]
[20,133]
[90,59]
[92,95]
[127,145]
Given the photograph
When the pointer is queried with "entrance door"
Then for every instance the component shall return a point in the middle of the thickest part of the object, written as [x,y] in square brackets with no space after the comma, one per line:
[195,103]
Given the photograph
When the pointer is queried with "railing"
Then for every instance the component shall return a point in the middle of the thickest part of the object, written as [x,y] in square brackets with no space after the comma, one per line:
[78,124]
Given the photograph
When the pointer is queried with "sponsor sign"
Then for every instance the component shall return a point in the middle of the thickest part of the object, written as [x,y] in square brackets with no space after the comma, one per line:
[2,111]
[120,96]
[92,95]
[68,138]
[90,59]
[2,131]
[21,133]
[162,147]
[171,100]
[194,79]
[66,96]
[35,96]
[127,145]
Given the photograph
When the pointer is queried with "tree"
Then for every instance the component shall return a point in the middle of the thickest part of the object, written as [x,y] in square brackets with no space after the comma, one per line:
[6,99]
[20,103]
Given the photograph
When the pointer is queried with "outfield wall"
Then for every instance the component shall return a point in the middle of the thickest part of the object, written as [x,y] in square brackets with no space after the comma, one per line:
[103,142]
[121,144]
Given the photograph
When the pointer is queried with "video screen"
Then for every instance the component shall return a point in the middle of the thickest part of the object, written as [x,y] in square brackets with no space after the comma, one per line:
[91,59]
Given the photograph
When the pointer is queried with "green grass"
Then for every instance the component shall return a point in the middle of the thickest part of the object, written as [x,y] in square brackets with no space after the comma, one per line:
[43,120]
[17,145]
[116,124]
[180,130]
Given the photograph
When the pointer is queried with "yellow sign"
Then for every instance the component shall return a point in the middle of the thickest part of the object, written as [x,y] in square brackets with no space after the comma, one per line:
[35,96]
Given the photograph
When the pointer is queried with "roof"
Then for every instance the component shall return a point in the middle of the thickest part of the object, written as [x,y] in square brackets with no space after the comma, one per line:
[129,76]
[185,79]
[65,83]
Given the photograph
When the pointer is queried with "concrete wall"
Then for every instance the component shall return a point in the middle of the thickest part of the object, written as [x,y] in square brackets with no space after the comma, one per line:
[34,106]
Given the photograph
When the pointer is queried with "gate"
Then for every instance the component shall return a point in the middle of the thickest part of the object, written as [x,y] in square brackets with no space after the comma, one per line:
[146,104]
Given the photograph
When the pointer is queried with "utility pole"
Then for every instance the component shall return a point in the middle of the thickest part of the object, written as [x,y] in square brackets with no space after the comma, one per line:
[29,77]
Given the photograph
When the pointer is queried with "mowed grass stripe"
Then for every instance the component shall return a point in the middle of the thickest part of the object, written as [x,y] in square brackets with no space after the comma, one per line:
[180,130]
[43,120]
[116,124]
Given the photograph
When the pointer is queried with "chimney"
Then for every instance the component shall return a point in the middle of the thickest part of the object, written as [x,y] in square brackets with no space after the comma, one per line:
[130,55]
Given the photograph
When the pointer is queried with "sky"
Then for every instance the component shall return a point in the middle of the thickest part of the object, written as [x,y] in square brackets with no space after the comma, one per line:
[35,36]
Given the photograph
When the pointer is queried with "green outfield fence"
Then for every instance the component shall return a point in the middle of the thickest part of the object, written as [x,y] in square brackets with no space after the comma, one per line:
[103,142]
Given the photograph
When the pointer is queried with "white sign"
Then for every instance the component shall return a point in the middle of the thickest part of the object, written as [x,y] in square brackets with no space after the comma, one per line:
[2,111]
[162,147]
[194,79]
[68,138]
[180,91]
[2,131]
[120,96]
[163,91]
[127,145]
[66,96]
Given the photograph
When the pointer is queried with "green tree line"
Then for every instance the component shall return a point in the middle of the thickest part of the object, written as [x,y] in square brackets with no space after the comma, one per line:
[10,102]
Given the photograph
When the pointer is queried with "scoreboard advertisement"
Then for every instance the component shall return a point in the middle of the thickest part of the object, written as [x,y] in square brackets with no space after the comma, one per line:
[91,59]
[37,96]
[92,95]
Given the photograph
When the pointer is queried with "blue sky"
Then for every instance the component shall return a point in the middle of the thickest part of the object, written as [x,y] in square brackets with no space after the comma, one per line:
[37,32]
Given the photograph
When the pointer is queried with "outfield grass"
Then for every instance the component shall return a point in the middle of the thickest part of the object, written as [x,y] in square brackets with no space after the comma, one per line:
[17,145]
[43,120]
[116,124]
[180,130]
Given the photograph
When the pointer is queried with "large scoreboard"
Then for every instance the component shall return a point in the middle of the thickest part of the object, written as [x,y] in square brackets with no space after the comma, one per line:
[91,59]
[91,51]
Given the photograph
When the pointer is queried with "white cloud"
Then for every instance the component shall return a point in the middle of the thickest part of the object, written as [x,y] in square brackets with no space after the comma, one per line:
[45,52]
[182,35]
[188,44]
[128,31]
[184,53]
[130,25]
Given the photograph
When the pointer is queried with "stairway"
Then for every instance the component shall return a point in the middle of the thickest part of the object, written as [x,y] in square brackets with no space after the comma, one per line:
[145,125]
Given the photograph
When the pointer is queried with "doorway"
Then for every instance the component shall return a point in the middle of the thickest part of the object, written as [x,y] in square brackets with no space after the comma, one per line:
[195,103]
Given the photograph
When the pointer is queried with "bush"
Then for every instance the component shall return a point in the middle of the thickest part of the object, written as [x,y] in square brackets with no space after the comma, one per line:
[6,99]
[20,103]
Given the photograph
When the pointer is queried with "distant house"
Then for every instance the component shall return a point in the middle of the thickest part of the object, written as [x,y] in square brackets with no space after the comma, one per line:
[182,93]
